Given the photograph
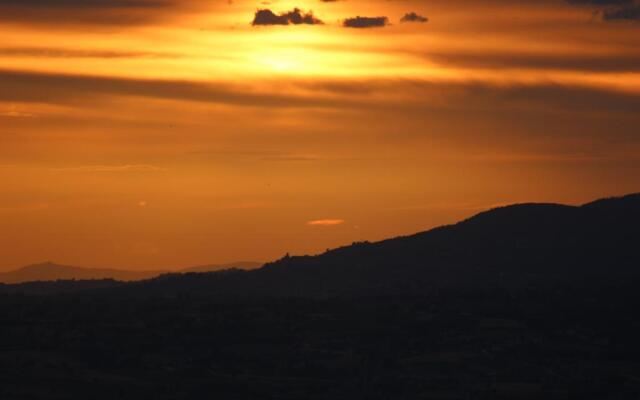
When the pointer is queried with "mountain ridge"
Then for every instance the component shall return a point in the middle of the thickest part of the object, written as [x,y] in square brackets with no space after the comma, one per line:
[510,247]
[50,271]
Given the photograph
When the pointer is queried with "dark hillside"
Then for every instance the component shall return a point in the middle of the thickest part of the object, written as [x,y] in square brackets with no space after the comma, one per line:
[511,248]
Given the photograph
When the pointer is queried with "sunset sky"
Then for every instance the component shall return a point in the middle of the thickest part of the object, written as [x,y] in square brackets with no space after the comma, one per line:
[168,133]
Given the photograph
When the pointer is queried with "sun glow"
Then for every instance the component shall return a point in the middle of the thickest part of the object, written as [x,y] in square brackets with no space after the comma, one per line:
[184,125]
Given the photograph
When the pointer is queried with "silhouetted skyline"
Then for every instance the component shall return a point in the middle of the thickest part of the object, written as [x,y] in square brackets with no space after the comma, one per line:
[511,247]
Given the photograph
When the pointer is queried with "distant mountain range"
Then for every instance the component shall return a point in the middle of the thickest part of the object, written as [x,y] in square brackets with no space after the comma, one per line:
[49,271]
[513,247]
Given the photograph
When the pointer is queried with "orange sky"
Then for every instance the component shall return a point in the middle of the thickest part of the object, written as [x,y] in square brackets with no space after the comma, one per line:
[163,133]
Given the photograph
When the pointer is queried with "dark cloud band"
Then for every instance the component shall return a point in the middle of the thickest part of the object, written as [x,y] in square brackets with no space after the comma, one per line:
[613,10]
[630,13]
[92,12]
[537,61]
[52,52]
[80,89]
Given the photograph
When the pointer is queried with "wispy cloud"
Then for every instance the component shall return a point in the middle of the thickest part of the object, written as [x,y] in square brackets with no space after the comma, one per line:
[92,12]
[61,89]
[613,10]
[326,222]
[31,206]
[14,112]
[55,52]
[112,168]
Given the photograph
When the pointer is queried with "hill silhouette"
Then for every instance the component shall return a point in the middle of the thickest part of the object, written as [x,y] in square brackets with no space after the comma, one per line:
[49,271]
[509,247]
[531,301]
[220,267]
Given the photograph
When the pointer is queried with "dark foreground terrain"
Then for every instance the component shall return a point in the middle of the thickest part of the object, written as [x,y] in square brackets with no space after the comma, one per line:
[563,344]
[523,302]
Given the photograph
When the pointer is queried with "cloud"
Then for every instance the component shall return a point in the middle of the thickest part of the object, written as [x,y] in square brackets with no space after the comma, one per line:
[14,112]
[267,17]
[600,2]
[89,3]
[12,208]
[538,61]
[417,95]
[413,17]
[295,17]
[366,22]
[51,88]
[612,10]
[112,168]
[51,52]
[289,158]
[91,12]
[630,13]
[326,222]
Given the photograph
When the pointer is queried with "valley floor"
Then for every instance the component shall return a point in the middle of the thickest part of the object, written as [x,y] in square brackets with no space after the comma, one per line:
[552,344]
